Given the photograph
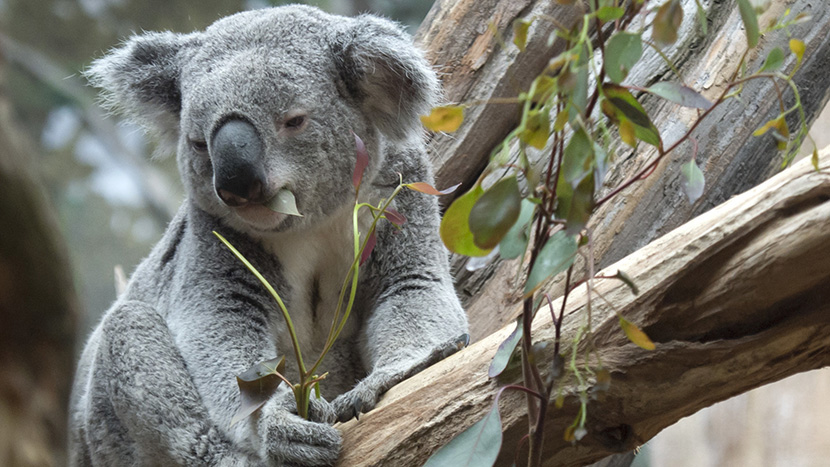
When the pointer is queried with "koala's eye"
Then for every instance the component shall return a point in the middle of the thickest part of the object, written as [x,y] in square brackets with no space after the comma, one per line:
[198,145]
[295,122]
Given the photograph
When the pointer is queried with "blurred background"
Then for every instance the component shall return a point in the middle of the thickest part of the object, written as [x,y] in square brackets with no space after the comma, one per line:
[113,200]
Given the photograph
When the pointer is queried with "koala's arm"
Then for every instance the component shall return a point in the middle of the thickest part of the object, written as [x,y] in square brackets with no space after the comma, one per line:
[140,402]
[417,318]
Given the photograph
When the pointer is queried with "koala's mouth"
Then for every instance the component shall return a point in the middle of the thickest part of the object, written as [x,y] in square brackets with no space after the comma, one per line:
[260,217]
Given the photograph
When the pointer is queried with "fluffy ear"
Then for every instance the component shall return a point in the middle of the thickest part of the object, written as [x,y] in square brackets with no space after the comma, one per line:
[385,73]
[141,80]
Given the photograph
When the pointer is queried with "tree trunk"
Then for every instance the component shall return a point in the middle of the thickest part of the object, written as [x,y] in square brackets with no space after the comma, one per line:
[38,312]
[461,43]
[734,299]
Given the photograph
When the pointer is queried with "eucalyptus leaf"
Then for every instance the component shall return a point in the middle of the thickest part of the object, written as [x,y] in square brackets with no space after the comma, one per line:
[556,256]
[622,52]
[667,22]
[284,202]
[455,226]
[680,94]
[692,180]
[578,160]
[256,385]
[477,446]
[505,350]
[750,20]
[774,60]
[495,212]
[515,241]
[636,335]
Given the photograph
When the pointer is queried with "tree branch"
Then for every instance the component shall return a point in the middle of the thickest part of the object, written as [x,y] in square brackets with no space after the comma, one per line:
[736,298]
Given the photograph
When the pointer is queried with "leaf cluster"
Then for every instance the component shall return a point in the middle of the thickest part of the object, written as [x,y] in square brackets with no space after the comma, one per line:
[579,111]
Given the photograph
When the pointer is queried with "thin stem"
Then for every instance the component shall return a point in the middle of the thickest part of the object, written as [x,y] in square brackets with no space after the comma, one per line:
[294,340]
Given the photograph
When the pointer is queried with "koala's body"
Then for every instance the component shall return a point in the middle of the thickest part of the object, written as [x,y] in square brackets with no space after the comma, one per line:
[258,102]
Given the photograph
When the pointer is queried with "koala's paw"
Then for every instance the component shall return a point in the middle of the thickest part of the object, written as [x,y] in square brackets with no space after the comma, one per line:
[361,399]
[321,410]
[440,353]
[454,346]
[290,440]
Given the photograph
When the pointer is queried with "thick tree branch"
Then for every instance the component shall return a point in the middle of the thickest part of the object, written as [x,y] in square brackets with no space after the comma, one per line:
[736,298]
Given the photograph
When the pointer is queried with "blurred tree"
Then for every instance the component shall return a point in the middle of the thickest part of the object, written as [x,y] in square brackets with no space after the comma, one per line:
[38,310]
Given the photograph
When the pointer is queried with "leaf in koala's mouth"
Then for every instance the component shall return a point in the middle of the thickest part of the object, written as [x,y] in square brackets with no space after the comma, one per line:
[284,203]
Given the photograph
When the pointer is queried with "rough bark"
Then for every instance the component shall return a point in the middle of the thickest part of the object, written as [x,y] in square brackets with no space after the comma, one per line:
[736,298]
[460,42]
[38,312]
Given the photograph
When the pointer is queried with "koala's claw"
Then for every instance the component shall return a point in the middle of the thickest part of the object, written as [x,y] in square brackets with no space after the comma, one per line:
[460,342]
[352,409]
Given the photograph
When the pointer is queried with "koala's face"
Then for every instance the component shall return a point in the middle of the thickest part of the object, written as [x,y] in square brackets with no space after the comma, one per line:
[268,100]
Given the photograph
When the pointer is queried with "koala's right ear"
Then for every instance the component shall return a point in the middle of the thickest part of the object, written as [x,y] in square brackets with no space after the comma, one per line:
[141,80]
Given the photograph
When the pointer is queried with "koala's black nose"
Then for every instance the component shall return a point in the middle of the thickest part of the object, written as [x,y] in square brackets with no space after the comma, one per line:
[236,153]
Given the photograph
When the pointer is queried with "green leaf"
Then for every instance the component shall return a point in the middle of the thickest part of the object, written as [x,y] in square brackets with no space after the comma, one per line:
[520,28]
[284,202]
[543,87]
[667,21]
[477,446]
[575,204]
[814,159]
[636,335]
[455,227]
[750,19]
[505,350]
[701,18]
[620,105]
[537,129]
[256,385]
[556,256]
[578,158]
[627,280]
[447,118]
[679,94]
[610,13]
[774,60]
[692,180]
[495,212]
[515,241]
[622,52]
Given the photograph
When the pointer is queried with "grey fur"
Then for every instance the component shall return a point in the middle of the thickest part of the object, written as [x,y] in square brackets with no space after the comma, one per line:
[155,384]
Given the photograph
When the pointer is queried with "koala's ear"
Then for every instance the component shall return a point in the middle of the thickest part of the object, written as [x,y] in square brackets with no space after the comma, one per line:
[141,80]
[385,73]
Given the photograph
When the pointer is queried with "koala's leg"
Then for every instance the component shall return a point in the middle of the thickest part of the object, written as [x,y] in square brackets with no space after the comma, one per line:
[417,318]
[140,390]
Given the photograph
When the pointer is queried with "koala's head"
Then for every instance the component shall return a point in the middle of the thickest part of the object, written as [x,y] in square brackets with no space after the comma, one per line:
[268,99]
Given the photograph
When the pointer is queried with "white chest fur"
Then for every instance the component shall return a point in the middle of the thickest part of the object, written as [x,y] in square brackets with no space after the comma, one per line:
[315,263]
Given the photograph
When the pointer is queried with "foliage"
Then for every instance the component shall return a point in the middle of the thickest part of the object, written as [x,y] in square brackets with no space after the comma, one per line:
[260,382]
[541,213]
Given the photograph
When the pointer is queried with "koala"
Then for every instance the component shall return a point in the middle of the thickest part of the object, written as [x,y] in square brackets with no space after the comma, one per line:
[258,102]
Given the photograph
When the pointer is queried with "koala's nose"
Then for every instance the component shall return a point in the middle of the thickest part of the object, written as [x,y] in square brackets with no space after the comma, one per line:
[237,156]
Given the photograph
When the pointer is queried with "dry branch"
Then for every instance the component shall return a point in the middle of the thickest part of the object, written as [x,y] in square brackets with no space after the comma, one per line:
[736,298]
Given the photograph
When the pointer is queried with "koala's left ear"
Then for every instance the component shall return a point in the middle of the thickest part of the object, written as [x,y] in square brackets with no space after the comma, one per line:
[141,80]
[385,73]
